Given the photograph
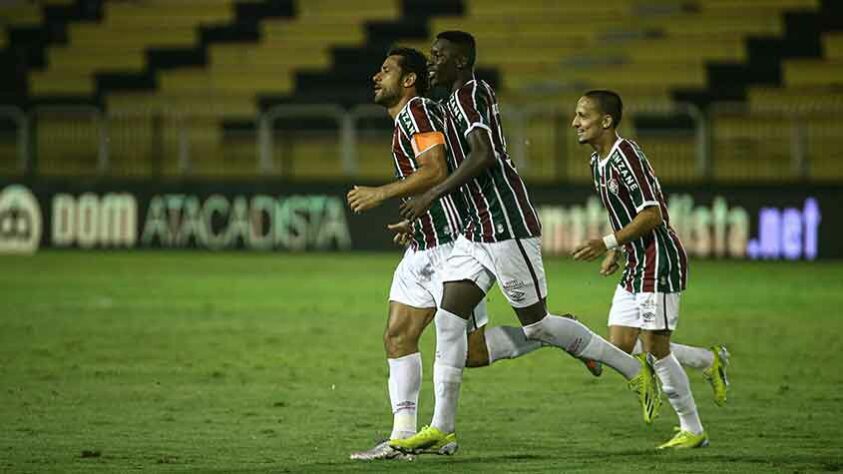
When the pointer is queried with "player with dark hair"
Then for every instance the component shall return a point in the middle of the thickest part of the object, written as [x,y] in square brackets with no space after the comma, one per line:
[500,243]
[646,302]
[419,156]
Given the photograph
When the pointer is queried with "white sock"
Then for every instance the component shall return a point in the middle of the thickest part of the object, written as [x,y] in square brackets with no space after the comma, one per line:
[451,351]
[688,356]
[580,341]
[405,375]
[507,342]
[678,390]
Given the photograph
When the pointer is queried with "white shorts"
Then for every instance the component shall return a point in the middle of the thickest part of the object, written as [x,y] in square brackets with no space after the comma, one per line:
[417,282]
[516,264]
[646,311]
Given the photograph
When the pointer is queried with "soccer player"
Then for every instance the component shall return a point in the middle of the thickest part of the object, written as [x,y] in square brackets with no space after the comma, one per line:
[646,303]
[500,243]
[420,162]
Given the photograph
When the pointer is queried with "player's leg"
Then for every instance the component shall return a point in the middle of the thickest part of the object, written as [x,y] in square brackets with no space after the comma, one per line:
[411,309]
[401,341]
[487,345]
[625,338]
[451,351]
[404,327]
[713,362]
[519,269]
[458,301]
[466,282]
[660,313]
[490,344]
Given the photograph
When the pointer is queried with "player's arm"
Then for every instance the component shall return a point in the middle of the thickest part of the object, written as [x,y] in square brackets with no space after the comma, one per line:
[479,159]
[432,170]
[644,222]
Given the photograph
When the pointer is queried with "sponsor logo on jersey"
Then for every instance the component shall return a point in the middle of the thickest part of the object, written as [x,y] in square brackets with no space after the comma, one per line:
[613,186]
[626,174]
[408,121]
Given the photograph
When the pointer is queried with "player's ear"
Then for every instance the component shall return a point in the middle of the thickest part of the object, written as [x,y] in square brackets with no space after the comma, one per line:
[410,79]
[608,121]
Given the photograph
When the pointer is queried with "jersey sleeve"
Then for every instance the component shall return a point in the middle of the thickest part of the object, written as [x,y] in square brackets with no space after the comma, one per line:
[474,107]
[638,177]
[421,116]
[422,123]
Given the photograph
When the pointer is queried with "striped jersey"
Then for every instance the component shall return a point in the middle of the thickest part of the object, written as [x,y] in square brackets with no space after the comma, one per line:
[497,205]
[442,222]
[626,183]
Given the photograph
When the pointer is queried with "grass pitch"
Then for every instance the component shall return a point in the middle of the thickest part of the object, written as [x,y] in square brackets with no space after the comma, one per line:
[198,362]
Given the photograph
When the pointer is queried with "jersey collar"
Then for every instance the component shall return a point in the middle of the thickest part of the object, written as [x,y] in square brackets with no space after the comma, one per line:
[611,152]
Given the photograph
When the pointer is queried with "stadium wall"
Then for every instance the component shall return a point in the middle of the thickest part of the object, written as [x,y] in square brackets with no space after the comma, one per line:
[796,222]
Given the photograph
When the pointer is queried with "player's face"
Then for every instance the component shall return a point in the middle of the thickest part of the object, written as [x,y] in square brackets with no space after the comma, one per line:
[588,121]
[442,65]
[387,82]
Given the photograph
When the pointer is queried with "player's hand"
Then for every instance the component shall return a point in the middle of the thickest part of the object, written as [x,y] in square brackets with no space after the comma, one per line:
[610,263]
[403,232]
[363,198]
[589,250]
[414,208]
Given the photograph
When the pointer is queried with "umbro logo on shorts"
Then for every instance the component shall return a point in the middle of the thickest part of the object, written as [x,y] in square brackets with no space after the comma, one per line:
[514,289]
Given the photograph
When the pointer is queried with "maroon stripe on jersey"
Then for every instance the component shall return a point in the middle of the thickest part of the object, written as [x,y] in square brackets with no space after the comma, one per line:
[648,283]
[405,165]
[627,204]
[419,114]
[522,199]
[485,217]
[635,164]
[427,227]
[683,258]
[466,100]
[631,264]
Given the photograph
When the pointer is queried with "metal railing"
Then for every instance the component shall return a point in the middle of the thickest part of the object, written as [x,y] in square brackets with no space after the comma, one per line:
[727,142]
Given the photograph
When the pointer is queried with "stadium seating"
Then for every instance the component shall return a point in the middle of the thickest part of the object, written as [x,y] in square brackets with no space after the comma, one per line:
[199,105]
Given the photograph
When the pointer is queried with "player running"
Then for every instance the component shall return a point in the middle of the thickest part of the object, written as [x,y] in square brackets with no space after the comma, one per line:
[646,302]
[500,244]
[420,162]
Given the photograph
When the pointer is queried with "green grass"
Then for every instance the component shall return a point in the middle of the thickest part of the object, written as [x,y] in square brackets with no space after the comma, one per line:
[272,363]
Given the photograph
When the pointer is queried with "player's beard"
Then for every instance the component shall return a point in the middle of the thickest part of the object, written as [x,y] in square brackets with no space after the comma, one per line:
[386,97]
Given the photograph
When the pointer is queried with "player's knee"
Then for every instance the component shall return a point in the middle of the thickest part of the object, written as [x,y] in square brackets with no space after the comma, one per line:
[398,341]
[625,344]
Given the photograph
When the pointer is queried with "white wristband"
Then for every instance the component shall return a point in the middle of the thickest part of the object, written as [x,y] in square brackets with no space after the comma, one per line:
[610,241]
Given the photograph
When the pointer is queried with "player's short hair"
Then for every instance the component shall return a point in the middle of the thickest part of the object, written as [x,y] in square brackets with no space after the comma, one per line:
[609,103]
[413,60]
[465,41]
